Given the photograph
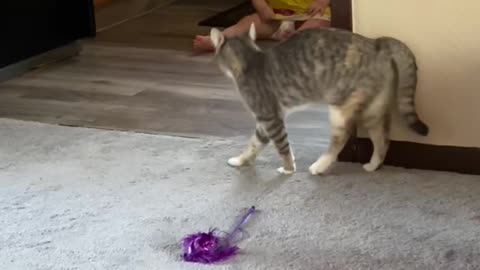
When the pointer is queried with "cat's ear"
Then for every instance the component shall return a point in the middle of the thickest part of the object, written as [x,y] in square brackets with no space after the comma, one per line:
[252,32]
[217,37]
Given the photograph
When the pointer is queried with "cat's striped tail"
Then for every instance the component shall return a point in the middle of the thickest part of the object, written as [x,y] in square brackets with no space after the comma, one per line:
[404,63]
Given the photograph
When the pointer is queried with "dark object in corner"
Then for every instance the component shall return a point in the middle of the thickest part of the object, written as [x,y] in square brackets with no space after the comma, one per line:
[229,17]
[30,28]
[36,33]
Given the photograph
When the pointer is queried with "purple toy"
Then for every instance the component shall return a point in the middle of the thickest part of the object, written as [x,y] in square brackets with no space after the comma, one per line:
[211,247]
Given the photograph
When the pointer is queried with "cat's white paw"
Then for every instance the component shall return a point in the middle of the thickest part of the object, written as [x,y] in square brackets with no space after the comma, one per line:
[236,162]
[370,167]
[321,165]
[316,169]
[283,171]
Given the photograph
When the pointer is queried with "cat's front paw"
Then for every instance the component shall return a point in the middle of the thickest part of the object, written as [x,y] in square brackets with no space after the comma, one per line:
[282,170]
[321,165]
[316,169]
[236,162]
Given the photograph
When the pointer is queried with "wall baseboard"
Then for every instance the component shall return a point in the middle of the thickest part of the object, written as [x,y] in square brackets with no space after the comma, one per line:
[417,156]
[52,56]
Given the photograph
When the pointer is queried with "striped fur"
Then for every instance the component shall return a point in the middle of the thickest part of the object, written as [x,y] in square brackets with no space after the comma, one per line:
[405,67]
[358,78]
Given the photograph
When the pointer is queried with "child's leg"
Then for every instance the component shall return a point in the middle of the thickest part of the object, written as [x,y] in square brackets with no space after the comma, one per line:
[264,30]
[314,23]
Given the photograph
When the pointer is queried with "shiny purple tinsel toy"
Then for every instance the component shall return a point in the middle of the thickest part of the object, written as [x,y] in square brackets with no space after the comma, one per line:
[211,247]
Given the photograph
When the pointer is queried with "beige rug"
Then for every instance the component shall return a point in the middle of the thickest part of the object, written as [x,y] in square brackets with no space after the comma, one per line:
[74,198]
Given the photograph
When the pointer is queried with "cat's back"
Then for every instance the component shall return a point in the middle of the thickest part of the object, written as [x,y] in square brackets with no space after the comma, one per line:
[315,63]
[314,43]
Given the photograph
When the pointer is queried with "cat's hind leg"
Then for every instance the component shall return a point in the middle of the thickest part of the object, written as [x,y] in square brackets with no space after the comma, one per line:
[341,125]
[257,143]
[376,120]
[378,131]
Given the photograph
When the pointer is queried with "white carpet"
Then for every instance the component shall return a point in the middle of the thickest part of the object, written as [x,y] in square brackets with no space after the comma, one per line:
[73,198]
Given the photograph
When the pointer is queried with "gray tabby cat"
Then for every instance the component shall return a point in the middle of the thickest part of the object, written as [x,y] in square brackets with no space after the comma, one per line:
[359,78]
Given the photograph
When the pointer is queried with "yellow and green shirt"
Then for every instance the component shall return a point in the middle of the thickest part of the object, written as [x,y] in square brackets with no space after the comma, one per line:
[295,8]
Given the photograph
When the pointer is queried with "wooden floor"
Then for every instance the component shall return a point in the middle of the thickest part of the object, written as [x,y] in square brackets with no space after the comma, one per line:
[171,25]
[141,76]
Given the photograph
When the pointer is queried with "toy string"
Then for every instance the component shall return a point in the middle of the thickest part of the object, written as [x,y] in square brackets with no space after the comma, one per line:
[242,221]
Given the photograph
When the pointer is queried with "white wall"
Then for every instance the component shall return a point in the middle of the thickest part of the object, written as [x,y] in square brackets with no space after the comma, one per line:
[445,36]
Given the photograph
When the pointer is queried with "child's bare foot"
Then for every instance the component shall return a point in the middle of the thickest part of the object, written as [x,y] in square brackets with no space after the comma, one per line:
[203,44]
